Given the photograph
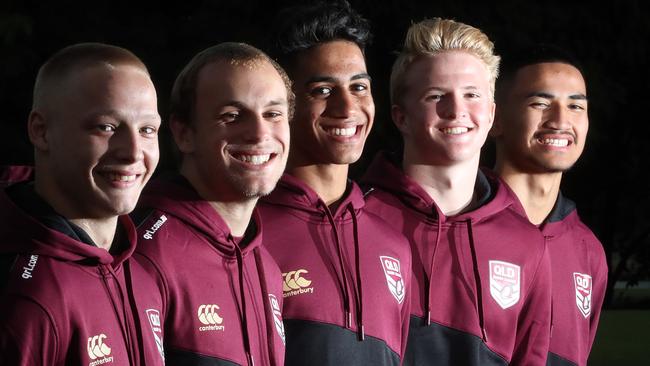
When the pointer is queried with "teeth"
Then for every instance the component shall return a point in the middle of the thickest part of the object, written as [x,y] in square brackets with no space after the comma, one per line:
[255,159]
[122,178]
[343,131]
[554,142]
[454,130]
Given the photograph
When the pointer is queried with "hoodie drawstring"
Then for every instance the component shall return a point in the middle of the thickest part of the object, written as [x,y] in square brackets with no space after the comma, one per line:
[355,226]
[244,318]
[477,279]
[125,331]
[346,295]
[427,296]
[268,312]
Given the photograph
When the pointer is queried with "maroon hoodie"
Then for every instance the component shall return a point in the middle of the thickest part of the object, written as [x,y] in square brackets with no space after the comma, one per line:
[481,280]
[579,270]
[15,173]
[346,278]
[67,302]
[223,301]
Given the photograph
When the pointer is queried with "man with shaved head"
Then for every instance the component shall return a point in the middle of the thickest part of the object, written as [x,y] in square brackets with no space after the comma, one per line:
[230,108]
[71,294]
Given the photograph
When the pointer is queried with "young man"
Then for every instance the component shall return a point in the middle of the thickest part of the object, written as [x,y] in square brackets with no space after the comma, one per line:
[481,279]
[230,108]
[540,130]
[70,294]
[346,274]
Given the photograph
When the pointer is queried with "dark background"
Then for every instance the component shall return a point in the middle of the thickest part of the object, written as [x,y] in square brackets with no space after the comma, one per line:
[610,182]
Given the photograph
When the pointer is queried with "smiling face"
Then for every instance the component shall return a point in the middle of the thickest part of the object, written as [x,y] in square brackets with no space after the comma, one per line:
[543,121]
[446,110]
[97,141]
[334,106]
[236,146]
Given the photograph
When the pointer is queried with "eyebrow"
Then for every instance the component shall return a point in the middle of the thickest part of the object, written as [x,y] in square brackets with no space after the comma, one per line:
[320,79]
[547,95]
[112,113]
[240,105]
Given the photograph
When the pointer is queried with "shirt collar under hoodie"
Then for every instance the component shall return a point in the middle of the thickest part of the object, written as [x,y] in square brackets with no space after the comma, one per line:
[293,193]
[32,227]
[384,173]
[176,196]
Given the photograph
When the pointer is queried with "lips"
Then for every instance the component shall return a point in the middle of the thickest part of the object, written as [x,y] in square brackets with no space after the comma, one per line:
[253,159]
[342,131]
[555,139]
[459,130]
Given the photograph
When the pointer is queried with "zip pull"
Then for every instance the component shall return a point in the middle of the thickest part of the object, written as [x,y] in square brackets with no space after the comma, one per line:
[348,319]
[428,317]
[251,362]
[361,333]
[485,338]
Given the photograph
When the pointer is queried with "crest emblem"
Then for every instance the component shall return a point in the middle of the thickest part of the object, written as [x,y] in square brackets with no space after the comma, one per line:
[154,321]
[583,292]
[394,278]
[505,281]
[277,317]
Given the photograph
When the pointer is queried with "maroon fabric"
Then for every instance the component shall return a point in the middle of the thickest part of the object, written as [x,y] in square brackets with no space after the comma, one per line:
[196,261]
[15,173]
[518,332]
[306,244]
[66,302]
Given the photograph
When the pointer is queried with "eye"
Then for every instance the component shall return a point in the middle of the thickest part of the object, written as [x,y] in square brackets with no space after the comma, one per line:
[577,107]
[106,127]
[229,117]
[539,105]
[433,97]
[321,91]
[149,130]
[274,115]
[359,87]
[472,95]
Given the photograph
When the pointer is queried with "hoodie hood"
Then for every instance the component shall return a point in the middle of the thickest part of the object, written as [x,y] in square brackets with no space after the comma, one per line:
[175,196]
[293,193]
[563,217]
[385,174]
[24,234]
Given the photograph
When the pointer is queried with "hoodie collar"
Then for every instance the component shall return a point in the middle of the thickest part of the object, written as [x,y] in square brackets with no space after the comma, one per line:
[176,196]
[294,193]
[560,219]
[31,226]
[384,173]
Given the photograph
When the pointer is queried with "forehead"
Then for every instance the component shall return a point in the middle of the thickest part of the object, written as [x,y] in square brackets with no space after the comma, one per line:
[552,77]
[335,58]
[230,79]
[449,68]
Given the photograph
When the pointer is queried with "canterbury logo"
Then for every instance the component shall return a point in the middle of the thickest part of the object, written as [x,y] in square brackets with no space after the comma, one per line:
[208,315]
[99,350]
[295,284]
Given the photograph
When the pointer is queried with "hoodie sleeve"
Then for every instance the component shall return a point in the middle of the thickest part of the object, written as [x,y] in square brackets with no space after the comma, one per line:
[27,334]
[599,286]
[534,324]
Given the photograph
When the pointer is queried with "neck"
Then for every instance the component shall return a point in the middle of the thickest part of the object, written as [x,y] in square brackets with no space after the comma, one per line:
[101,231]
[237,215]
[536,192]
[329,181]
[450,187]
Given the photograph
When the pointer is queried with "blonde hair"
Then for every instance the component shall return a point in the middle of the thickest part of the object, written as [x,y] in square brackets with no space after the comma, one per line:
[433,36]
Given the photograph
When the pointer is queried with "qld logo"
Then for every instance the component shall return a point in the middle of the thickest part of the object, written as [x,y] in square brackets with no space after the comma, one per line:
[505,281]
[393,277]
[154,321]
[583,292]
[277,317]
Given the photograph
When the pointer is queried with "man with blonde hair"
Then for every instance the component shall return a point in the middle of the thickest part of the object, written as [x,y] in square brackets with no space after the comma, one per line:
[69,292]
[481,279]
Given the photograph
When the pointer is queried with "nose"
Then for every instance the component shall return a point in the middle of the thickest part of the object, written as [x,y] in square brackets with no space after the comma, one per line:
[126,143]
[558,117]
[257,129]
[341,104]
[452,107]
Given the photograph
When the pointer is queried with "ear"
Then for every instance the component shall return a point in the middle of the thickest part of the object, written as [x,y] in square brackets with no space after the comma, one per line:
[497,126]
[399,118]
[37,130]
[183,134]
